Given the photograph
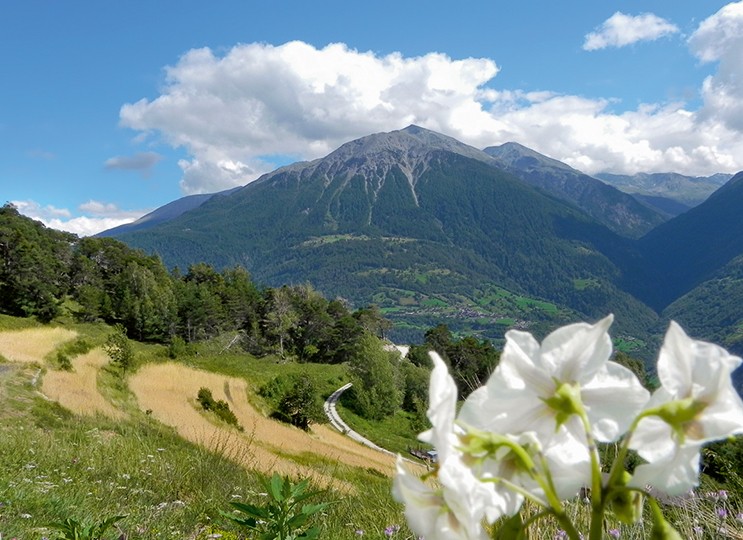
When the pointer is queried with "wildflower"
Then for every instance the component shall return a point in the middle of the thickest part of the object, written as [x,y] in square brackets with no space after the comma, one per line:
[614,533]
[359,532]
[722,513]
[695,404]
[475,498]
[432,513]
[543,388]
[391,530]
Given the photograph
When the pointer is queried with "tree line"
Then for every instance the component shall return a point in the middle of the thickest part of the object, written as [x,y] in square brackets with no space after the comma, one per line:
[102,279]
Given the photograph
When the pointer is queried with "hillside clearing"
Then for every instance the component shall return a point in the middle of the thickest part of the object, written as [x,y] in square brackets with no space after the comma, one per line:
[32,344]
[77,390]
[169,392]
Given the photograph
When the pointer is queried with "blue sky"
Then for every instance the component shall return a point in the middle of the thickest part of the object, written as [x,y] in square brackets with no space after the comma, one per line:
[111,109]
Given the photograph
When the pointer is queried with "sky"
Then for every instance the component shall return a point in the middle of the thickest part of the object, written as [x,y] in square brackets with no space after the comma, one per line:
[111,109]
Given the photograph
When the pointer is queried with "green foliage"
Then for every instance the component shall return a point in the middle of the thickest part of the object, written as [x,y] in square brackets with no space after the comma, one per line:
[285,516]
[63,361]
[376,379]
[470,360]
[34,271]
[301,404]
[635,365]
[70,529]
[119,349]
[219,407]
[178,348]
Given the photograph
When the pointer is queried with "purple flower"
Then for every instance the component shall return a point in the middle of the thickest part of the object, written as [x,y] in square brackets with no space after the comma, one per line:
[722,513]
[614,533]
[391,530]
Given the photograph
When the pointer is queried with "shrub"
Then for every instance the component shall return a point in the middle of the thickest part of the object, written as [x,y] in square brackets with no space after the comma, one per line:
[64,361]
[219,407]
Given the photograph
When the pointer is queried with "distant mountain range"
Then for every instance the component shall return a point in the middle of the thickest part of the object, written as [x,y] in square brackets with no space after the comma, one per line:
[619,211]
[671,193]
[433,230]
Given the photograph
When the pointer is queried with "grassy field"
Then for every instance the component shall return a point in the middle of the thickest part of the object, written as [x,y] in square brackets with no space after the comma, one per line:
[90,444]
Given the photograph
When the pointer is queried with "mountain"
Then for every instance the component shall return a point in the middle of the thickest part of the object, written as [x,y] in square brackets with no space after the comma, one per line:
[682,253]
[410,220]
[620,212]
[162,214]
[671,193]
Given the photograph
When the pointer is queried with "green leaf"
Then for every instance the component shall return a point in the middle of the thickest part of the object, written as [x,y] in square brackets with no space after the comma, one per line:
[310,534]
[300,488]
[510,529]
[252,510]
[276,487]
[309,509]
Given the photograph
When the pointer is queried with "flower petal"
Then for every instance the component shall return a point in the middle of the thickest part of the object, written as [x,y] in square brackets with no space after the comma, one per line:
[613,398]
[442,397]
[675,475]
[575,352]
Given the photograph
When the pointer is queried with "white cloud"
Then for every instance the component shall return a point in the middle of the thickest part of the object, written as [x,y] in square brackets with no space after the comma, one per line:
[142,162]
[231,113]
[297,100]
[621,30]
[97,216]
[719,38]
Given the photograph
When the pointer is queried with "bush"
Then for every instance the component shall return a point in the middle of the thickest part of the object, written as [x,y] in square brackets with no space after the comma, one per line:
[64,361]
[301,404]
[219,407]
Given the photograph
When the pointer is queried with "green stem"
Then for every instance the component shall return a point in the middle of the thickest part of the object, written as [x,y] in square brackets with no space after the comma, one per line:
[617,467]
[597,496]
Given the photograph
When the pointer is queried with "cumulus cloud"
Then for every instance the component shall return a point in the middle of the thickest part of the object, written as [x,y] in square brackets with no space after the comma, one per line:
[232,112]
[96,216]
[720,39]
[142,162]
[297,100]
[621,30]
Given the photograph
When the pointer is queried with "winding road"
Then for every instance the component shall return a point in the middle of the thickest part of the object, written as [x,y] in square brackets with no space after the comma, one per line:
[337,422]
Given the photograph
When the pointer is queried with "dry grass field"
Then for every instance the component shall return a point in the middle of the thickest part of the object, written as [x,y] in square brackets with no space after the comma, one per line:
[32,344]
[169,392]
[77,390]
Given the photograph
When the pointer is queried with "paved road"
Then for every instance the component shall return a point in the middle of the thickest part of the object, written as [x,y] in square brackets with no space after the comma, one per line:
[337,422]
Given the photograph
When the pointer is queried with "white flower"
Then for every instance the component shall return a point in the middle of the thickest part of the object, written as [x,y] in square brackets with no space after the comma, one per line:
[540,388]
[460,502]
[430,512]
[674,474]
[479,499]
[695,404]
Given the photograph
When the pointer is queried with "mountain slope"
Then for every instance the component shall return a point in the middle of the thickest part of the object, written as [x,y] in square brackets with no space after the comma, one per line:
[620,212]
[402,217]
[670,192]
[687,250]
[163,214]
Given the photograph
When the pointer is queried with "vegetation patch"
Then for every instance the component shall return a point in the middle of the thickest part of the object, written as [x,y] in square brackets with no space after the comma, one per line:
[33,344]
[219,407]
